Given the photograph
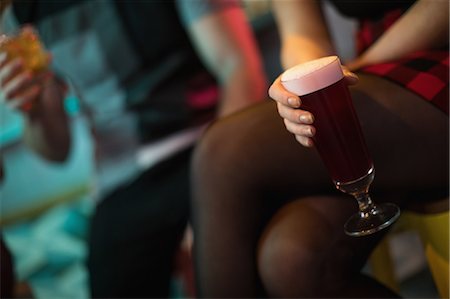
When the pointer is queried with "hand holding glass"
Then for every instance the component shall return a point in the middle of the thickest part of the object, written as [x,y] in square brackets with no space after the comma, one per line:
[34,60]
[27,46]
[339,139]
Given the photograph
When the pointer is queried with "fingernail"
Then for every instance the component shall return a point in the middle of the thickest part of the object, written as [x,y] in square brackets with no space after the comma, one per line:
[306,119]
[293,102]
[309,142]
[351,74]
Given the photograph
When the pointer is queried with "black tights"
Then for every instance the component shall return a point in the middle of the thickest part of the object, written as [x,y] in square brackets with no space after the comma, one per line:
[267,219]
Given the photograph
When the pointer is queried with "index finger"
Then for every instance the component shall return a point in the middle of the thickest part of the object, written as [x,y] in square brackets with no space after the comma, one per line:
[278,93]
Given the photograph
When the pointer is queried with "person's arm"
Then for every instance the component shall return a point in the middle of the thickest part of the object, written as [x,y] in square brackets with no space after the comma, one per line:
[47,129]
[424,26]
[225,43]
[303,31]
[39,97]
[304,36]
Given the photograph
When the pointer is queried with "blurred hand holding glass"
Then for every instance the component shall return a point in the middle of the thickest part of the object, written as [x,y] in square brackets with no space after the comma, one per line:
[27,46]
[17,80]
[339,139]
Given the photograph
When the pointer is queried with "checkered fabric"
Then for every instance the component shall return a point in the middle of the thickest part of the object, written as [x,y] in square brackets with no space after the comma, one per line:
[426,73]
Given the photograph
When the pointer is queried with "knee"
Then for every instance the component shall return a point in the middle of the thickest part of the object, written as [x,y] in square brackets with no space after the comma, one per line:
[299,254]
[211,162]
[209,149]
[289,269]
[222,153]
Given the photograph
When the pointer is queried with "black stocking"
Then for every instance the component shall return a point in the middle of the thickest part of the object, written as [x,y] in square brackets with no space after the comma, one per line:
[248,166]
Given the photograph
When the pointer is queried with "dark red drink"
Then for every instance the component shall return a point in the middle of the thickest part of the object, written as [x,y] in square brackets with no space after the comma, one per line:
[338,139]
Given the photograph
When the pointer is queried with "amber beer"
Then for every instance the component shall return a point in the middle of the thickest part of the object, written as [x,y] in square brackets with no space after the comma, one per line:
[338,139]
[26,45]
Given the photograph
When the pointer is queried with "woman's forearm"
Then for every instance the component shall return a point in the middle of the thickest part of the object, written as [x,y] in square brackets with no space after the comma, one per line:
[47,129]
[303,31]
[424,26]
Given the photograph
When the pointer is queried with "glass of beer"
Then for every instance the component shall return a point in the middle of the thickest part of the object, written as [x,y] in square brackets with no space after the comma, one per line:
[26,44]
[339,139]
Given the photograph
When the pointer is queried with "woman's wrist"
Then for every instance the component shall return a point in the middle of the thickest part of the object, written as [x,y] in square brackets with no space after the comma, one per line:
[295,53]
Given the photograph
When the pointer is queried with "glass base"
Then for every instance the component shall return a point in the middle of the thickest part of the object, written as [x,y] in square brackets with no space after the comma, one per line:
[366,223]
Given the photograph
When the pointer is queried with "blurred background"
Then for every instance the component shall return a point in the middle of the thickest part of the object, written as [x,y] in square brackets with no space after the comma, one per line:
[46,207]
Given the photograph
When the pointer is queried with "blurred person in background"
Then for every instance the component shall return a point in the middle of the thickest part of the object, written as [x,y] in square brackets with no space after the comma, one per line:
[32,92]
[150,76]
[46,123]
[267,218]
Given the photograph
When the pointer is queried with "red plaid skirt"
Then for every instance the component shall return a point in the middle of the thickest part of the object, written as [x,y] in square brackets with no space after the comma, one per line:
[425,73]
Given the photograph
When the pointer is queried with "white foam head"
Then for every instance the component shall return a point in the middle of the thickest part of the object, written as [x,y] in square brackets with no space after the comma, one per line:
[313,75]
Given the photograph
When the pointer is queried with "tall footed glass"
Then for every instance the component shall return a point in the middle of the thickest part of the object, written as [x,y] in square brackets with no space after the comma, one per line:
[339,139]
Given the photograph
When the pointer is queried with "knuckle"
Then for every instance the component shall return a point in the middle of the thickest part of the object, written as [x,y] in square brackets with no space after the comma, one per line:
[293,115]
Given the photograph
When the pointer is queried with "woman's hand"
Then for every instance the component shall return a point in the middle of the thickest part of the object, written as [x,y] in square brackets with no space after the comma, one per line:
[297,121]
[20,87]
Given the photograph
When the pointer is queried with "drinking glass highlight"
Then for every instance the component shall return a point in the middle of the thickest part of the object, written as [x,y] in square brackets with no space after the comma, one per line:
[339,139]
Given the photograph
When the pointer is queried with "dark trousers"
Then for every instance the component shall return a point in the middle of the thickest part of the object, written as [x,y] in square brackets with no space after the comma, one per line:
[6,271]
[136,230]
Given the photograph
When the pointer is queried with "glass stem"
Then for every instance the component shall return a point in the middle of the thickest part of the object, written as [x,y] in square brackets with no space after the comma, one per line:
[365,203]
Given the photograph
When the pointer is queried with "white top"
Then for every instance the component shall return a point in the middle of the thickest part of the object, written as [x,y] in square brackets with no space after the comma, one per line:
[313,75]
